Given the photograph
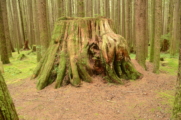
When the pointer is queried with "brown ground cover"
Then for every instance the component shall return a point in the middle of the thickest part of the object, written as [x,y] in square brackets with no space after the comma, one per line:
[136,100]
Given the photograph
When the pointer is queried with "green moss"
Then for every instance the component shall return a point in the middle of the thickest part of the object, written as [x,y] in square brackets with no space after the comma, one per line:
[61,69]
[18,70]
[48,63]
[171,64]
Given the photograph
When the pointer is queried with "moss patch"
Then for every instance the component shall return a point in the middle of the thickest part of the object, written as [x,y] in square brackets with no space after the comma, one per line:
[171,66]
[19,69]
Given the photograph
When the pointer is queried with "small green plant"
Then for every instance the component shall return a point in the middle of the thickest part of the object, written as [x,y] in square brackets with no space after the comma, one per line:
[166,36]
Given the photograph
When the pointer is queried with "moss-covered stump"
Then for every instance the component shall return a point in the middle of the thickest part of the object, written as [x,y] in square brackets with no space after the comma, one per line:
[81,47]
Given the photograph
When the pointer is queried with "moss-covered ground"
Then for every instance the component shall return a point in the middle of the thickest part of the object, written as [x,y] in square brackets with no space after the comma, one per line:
[19,69]
[168,65]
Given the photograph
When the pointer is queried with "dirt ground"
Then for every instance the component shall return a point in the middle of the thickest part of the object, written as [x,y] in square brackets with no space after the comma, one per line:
[136,100]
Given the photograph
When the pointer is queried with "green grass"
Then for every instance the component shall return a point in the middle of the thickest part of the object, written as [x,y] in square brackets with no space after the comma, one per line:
[19,69]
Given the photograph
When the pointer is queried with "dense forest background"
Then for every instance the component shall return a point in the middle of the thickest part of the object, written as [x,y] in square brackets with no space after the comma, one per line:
[28,23]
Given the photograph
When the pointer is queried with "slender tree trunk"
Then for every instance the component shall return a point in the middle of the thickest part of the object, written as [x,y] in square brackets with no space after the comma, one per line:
[147,31]
[6,27]
[36,30]
[107,8]
[157,37]
[175,31]
[123,18]
[140,29]
[133,30]
[80,6]
[165,42]
[42,15]
[3,47]
[152,32]
[7,108]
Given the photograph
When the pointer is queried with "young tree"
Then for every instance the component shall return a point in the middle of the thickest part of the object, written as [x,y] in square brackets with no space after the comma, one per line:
[36,30]
[80,6]
[152,25]
[140,31]
[157,35]
[7,108]
[175,29]
[3,47]
[43,28]
[6,27]
[123,19]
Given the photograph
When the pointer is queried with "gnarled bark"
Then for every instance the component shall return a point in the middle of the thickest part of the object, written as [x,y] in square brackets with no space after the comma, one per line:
[81,47]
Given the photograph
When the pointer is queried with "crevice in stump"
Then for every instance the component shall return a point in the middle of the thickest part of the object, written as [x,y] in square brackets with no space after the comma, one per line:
[81,47]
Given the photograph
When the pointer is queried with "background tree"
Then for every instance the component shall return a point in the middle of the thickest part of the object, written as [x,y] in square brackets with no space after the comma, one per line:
[80,6]
[152,25]
[140,31]
[157,35]
[6,27]
[42,16]
[175,30]
[3,47]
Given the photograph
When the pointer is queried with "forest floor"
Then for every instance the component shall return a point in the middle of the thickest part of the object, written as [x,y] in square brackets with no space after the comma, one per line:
[149,98]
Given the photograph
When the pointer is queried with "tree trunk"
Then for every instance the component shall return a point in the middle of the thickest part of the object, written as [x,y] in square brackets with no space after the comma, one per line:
[3,47]
[175,31]
[42,15]
[157,35]
[80,6]
[123,19]
[152,32]
[176,113]
[81,47]
[140,29]
[165,42]
[6,27]
[7,109]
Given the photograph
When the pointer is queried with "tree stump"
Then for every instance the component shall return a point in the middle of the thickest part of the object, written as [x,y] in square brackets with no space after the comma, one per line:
[81,47]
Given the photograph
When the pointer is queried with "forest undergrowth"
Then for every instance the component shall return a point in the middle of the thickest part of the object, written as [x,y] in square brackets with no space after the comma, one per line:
[16,73]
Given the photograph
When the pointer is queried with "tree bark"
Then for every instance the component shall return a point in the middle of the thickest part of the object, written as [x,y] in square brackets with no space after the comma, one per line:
[6,27]
[175,31]
[3,47]
[152,32]
[42,15]
[80,6]
[176,113]
[7,108]
[140,29]
[157,35]
[81,47]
